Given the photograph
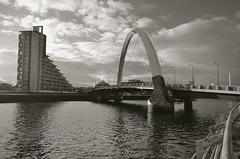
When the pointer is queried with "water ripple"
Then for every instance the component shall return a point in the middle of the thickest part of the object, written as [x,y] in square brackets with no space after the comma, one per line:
[91,130]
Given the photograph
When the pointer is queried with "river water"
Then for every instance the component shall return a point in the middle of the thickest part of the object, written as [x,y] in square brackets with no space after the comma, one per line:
[92,130]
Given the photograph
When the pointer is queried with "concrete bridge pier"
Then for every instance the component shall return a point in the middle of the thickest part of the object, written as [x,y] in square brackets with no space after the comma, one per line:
[100,96]
[118,98]
[99,99]
[160,98]
[188,104]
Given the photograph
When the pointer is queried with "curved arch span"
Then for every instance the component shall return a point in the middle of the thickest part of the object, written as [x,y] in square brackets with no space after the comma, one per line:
[151,53]
[160,95]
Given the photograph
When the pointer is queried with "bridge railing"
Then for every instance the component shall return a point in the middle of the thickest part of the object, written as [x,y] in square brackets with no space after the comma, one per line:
[204,87]
[140,84]
[176,86]
[227,148]
[218,143]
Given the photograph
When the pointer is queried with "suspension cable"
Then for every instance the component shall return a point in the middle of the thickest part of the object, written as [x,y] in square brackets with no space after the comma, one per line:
[167,77]
[124,71]
[138,58]
[115,68]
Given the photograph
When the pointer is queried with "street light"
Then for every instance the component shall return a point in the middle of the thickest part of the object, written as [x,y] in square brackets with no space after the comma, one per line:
[216,62]
[192,82]
[174,75]
[229,79]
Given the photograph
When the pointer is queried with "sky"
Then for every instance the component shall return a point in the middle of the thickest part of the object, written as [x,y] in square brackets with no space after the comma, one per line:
[85,38]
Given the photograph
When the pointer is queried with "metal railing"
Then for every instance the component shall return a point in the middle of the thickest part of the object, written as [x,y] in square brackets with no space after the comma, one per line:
[218,143]
[227,148]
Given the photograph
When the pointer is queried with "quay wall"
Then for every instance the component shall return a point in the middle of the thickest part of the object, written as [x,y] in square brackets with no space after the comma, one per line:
[25,97]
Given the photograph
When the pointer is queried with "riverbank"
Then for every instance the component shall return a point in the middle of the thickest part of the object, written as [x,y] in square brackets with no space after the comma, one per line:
[41,97]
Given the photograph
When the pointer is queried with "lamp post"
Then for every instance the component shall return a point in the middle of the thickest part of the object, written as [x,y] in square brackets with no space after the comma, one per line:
[216,62]
[229,79]
[174,75]
[192,82]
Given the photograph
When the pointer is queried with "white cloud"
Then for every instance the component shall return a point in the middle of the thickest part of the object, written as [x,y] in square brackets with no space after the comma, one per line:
[33,6]
[5,1]
[7,23]
[94,52]
[238,14]
[67,50]
[143,22]
[120,6]
[108,36]
[106,15]
[63,51]
[7,17]
[4,49]
[83,7]
[8,64]
[10,32]
[42,6]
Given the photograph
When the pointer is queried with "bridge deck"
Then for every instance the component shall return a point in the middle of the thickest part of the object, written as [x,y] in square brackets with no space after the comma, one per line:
[231,90]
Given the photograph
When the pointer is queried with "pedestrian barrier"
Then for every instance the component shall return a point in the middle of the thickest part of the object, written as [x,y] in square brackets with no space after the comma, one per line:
[218,143]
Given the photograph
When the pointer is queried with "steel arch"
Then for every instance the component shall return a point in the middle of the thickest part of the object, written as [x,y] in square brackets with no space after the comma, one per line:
[151,53]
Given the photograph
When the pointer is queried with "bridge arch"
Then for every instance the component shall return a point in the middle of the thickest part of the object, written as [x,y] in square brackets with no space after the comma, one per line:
[160,95]
[151,53]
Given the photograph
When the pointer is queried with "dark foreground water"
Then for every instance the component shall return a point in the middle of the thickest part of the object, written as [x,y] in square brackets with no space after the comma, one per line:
[92,130]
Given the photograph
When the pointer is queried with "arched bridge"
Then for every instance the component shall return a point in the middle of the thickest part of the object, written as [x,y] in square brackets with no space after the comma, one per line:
[160,96]
[159,91]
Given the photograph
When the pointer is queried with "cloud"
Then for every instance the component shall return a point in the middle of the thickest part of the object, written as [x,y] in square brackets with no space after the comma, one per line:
[108,15]
[94,52]
[165,17]
[143,23]
[7,17]
[62,51]
[201,41]
[42,6]
[7,23]
[108,36]
[83,7]
[103,25]
[238,14]
[8,64]
[7,2]
[9,32]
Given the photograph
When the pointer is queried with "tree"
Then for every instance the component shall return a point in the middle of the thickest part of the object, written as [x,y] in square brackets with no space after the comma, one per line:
[5,86]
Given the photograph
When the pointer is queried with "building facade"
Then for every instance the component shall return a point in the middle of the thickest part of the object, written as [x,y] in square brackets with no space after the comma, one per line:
[35,71]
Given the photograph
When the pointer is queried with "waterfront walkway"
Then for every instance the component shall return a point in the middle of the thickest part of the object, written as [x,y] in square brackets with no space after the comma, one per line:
[223,140]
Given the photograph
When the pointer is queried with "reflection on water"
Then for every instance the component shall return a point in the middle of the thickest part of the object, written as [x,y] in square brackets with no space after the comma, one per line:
[93,130]
[30,122]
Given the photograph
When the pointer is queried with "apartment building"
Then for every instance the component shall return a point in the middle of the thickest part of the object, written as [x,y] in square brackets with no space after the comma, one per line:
[35,71]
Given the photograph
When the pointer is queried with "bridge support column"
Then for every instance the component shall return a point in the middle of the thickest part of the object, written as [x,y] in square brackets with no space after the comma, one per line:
[160,98]
[118,98]
[188,104]
[98,99]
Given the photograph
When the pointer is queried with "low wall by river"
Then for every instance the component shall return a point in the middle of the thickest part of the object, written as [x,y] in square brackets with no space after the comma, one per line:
[25,97]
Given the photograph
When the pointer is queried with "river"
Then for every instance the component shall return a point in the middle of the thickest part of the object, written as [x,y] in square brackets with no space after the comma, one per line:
[92,130]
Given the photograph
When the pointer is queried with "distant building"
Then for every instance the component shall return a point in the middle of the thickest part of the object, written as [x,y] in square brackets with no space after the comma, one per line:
[102,84]
[35,71]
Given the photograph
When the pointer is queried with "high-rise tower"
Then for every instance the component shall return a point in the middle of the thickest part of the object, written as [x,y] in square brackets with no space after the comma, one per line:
[36,72]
